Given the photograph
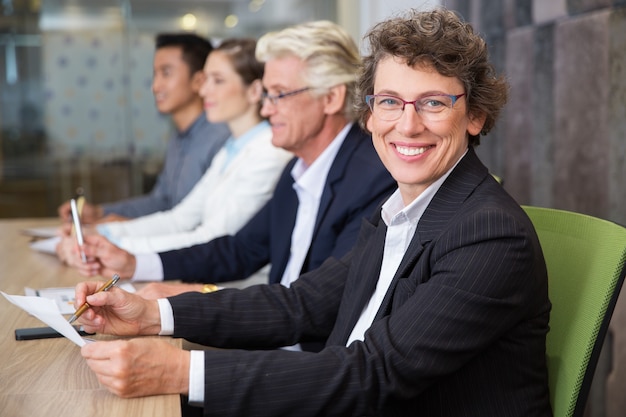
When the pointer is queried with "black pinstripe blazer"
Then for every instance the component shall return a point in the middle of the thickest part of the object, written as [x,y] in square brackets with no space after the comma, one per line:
[461,331]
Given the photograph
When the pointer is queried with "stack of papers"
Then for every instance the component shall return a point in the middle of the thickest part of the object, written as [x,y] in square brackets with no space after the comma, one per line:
[47,238]
[46,245]
[42,232]
[63,297]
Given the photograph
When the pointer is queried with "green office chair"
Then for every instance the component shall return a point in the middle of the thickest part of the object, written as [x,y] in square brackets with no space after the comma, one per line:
[586,259]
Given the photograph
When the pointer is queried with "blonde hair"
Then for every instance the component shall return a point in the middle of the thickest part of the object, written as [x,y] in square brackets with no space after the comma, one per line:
[329,52]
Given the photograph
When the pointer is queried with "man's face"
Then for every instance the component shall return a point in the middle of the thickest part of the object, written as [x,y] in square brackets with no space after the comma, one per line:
[296,120]
[172,82]
[415,150]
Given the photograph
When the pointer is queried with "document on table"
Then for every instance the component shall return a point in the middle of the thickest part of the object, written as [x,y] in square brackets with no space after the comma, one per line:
[47,311]
[48,245]
[42,232]
[64,296]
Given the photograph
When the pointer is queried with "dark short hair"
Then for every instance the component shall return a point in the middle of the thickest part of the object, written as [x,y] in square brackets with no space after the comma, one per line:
[437,38]
[194,48]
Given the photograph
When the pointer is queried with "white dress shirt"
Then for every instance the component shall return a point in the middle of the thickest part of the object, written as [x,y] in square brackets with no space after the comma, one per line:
[401,224]
[309,185]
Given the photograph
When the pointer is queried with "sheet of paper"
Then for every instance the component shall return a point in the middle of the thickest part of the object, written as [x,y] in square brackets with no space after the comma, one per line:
[47,311]
[46,245]
[64,296]
[49,231]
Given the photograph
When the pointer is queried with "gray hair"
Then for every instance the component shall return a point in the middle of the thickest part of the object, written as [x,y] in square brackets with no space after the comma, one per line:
[331,55]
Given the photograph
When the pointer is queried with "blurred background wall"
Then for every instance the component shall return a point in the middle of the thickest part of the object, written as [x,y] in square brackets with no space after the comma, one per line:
[562,140]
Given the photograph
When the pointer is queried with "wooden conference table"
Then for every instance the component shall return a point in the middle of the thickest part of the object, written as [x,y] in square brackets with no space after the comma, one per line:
[49,377]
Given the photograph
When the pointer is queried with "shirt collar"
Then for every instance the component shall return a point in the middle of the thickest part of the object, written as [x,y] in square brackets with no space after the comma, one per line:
[234,145]
[313,178]
[394,210]
[195,125]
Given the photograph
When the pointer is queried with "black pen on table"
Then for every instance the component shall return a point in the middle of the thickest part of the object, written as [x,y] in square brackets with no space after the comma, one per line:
[85,306]
[78,229]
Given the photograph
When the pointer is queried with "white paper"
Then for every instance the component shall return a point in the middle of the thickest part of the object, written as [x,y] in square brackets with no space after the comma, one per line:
[47,311]
[64,296]
[46,245]
[50,231]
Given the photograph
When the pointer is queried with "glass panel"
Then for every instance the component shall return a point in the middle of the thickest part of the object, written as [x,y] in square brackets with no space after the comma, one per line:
[76,107]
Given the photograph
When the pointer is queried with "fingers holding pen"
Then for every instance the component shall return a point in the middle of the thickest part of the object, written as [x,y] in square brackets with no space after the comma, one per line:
[95,318]
[105,258]
[117,311]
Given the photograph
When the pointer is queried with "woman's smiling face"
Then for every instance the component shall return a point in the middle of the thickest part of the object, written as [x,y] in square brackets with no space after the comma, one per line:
[417,151]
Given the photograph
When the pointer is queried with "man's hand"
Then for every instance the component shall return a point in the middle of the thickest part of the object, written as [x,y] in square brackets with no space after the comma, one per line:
[157,290]
[117,311]
[139,367]
[106,259]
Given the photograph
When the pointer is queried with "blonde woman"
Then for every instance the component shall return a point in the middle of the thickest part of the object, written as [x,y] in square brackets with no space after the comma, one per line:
[242,176]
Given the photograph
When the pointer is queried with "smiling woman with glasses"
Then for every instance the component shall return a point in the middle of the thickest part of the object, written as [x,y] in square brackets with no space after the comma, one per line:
[441,307]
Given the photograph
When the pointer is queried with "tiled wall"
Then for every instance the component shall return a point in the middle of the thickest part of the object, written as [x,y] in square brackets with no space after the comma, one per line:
[98,98]
[96,127]
[562,139]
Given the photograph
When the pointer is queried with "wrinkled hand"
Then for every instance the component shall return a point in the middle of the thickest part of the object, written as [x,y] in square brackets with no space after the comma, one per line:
[106,259]
[157,290]
[139,367]
[117,311]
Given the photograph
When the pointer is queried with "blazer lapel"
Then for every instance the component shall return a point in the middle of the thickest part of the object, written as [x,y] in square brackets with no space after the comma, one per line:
[335,174]
[363,276]
[458,186]
[337,171]
[286,196]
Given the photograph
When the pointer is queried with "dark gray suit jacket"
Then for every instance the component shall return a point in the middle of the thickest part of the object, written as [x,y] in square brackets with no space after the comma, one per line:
[461,331]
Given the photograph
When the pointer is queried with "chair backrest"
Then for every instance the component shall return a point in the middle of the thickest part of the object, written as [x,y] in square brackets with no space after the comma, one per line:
[586,260]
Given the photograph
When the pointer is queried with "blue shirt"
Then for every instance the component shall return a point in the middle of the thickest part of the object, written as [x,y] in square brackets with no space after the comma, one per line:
[188,156]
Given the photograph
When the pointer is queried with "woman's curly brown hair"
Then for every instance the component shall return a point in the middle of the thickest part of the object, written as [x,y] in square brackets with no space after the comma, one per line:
[437,38]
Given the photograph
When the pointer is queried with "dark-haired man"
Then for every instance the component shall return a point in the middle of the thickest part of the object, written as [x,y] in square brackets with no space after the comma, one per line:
[177,78]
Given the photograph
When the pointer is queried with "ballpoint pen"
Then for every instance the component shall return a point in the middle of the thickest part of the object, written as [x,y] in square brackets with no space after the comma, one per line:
[86,305]
[78,229]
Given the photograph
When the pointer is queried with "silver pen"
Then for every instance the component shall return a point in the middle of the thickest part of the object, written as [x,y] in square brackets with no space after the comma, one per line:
[78,229]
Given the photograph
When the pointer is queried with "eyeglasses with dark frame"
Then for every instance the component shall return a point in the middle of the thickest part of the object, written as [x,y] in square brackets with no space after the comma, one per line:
[275,98]
[433,108]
